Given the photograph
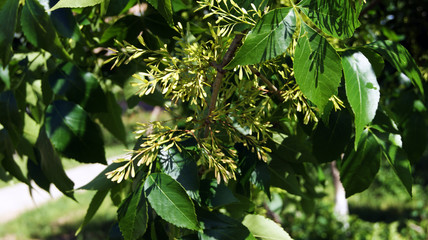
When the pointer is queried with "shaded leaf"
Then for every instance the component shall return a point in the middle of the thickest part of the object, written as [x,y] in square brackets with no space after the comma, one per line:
[317,67]
[362,89]
[220,226]
[8,162]
[170,201]
[52,166]
[337,18]
[40,31]
[126,28]
[358,168]
[64,22]
[414,137]
[8,15]
[265,229]
[268,39]
[96,202]
[101,182]
[75,4]
[329,141]
[10,116]
[164,7]
[35,172]
[112,119]
[181,167]
[132,215]
[401,59]
[216,195]
[73,133]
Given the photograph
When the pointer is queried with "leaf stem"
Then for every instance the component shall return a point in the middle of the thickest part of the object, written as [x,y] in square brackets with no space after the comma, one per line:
[269,84]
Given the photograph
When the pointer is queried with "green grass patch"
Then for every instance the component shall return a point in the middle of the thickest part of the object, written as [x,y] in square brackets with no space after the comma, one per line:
[60,219]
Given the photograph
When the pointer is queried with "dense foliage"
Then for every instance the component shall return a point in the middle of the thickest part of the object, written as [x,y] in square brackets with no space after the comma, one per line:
[262,95]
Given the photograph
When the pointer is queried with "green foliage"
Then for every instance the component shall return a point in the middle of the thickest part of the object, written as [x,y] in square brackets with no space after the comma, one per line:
[261,95]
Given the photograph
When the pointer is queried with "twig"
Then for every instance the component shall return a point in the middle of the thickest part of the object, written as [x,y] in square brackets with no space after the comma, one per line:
[220,75]
[269,84]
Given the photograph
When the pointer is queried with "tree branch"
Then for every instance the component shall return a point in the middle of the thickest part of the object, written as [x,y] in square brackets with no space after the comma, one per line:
[220,75]
[269,84]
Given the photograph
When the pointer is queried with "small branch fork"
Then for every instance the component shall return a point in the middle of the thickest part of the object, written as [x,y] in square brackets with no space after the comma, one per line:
[220,75]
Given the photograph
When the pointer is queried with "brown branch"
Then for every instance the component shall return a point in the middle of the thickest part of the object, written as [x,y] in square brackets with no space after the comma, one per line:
[220,75]
[269,84]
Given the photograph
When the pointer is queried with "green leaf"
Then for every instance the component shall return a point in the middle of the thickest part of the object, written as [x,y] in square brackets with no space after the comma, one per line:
[317,67]
[75,4]
[96,202]
[73,133]
[112,119]
[265,229]
[170,201]
[414,136]
[65,23]
[8,14]
[35,172]
[40,31]
[216,195]
[362,89]
[132,215]
[220,226]
[261,177]
[401,165]
[101,182]
[52,166]
[181,167]
[329,141]
[268,39]
[375,59]
[10,116]
[401,59]
[127,28]
[337,18]
[359,168]
[8,163]
[164,7]
[79,87]
[118,7]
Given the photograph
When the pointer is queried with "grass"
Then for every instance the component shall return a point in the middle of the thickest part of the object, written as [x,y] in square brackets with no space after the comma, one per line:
[60,219]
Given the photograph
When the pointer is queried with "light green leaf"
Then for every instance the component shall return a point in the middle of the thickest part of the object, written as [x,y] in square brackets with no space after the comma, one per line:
[73,133]
[8,14]
[268,39]
[132,215]
[75,4]
[169,199]
[401,59]
[359,168]
[265,229]
[362,89]
[40,31]
[337,18]
[52,166]
[164,7]
[96,202]
[317,67]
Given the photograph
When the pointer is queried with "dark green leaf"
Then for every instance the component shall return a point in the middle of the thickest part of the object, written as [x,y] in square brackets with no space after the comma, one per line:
[268,39]
[35,172]
[52,166]
[220,226]
[331,140]
[265,229]
[75,4]
[337,18]
[317,67]
[40,31]
[261,177]
[170,201]
[414,137]
[362,89]
[8,14]
[101,182]
[117,7]
[181,167]
[8,163]
[216,195]
[359,168]
[401,59]
[10,116]
[65,23]
[112,119]
[132,215]
[73,133]
[126,28]
[79,87]
[164,7]
[401,165]
[96,202]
